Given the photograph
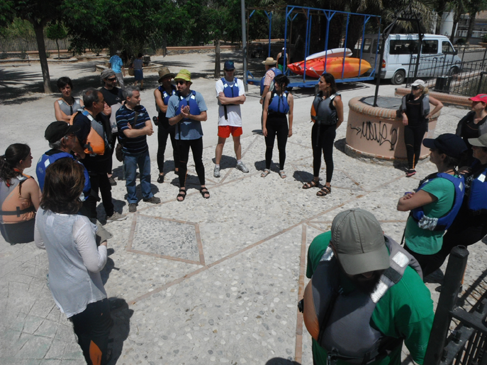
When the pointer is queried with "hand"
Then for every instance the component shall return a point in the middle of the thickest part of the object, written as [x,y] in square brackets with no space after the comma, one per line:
[129,126]
[185,111]
[264,131]
[290,132]
[405,121]
[261,100]
[408,196]
[150,132]
[107,110]
[464,170]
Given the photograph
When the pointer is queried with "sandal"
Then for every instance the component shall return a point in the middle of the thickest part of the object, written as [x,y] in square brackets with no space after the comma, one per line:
[410,173]
[160,179]
[311,184]
[205,193]
[325,190]
[265,173]
[182,194]
[282,174]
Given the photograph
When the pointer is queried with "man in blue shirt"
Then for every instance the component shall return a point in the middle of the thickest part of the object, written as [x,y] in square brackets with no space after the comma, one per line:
[116,64]
[134,125]
[187,110]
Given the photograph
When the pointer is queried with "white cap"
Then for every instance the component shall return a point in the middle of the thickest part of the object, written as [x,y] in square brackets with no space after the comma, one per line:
[419,83]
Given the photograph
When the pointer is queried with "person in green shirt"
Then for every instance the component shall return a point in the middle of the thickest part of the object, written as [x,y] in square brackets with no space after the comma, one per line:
[436,198]
[360,306]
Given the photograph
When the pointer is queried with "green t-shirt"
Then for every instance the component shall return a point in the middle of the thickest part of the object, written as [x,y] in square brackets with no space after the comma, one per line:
[424,241]
[405,311]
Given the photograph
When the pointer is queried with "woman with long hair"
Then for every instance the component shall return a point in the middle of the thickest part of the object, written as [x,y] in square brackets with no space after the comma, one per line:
[277,104]
[19,195]
[75,261]
[67,104]
[415,117]
[327,115]
[436,202]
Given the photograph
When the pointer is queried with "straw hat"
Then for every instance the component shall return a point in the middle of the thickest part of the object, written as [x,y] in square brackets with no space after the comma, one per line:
[269,61]
[164,72]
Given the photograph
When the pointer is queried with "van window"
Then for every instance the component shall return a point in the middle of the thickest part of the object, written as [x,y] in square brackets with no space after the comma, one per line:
[403,46]
[374,46]
[446,48]
[430,47]
[367,43]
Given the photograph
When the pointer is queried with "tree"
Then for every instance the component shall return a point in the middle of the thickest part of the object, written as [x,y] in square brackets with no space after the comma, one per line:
[474,7]
[38,13]
[56,32]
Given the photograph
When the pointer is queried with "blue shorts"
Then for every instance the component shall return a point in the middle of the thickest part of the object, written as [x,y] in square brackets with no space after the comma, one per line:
[138,75]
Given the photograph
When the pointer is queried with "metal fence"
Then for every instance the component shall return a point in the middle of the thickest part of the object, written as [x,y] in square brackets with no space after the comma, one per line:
[462,74]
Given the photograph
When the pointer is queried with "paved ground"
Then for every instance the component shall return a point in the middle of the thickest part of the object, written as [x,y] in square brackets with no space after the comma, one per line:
[203,281]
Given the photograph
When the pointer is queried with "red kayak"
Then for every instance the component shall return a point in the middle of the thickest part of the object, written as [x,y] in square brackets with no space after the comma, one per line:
[334,65]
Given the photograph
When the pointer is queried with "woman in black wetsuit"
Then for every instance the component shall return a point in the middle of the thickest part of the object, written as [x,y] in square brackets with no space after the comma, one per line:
[472,125]
[277,104]
[327,115]
[415,117]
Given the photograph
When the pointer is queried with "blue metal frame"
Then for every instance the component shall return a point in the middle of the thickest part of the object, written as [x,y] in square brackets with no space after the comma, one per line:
[329,14]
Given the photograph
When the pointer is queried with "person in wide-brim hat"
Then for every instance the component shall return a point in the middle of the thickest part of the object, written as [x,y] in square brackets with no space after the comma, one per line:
[269,61]
[163,72]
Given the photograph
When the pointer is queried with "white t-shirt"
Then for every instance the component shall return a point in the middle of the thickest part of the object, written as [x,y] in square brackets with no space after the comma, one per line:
[233,111]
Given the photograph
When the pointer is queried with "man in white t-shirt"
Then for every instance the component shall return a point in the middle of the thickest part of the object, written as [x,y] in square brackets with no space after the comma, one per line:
[230,93]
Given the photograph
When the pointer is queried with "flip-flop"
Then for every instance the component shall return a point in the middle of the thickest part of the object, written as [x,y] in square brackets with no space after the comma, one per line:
[265,173]
[282,174]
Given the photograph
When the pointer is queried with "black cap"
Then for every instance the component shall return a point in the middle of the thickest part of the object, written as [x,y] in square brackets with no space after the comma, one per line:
[229,66]
[57,130]
[448,143]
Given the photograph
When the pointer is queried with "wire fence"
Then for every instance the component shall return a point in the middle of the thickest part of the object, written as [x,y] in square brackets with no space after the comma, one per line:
[25,45]
[463,74]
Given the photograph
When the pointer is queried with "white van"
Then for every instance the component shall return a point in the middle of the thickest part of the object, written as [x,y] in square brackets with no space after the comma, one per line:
[438,56]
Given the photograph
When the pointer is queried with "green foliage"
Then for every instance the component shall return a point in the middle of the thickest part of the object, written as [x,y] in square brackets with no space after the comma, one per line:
[56,31]
[484,38]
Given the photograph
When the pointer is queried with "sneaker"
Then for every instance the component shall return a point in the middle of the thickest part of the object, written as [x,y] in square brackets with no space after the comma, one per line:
[216,171]
[153,200]
[132,207]
[242,167]
[112,181]
[116,216]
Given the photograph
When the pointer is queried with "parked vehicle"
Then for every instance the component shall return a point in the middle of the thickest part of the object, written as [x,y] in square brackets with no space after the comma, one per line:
[438,57]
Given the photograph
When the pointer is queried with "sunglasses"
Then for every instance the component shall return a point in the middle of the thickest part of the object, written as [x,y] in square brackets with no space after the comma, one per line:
[112,79]
[180,82]
[415,87]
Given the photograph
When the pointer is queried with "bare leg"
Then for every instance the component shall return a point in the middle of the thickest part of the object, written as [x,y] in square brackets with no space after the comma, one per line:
[238,147]
[219,150]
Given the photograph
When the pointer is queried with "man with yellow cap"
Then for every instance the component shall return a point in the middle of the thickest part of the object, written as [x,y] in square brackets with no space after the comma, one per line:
[187,109]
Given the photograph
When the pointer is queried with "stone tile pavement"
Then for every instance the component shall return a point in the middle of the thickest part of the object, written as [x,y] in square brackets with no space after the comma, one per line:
[217,280]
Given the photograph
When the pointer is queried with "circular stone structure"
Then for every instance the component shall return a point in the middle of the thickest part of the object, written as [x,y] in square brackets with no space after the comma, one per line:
[376,133]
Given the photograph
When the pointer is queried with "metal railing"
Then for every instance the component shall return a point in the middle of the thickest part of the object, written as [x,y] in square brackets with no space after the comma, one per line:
[461,74]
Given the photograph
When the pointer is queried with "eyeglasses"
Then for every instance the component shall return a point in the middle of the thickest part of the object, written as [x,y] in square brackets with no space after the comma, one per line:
[112,79]
[180,82]
[414,87]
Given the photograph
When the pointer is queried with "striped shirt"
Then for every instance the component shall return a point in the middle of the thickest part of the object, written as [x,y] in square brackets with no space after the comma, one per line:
[132,146]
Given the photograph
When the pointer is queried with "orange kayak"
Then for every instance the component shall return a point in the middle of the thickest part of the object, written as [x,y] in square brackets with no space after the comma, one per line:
[334,65]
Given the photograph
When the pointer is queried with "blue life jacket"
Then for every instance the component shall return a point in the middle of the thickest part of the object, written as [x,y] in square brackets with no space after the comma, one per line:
[193,105]
[46,160]
[230,90]
[165,95]
[444,222]
[279,104]
[477,200]
[276,72]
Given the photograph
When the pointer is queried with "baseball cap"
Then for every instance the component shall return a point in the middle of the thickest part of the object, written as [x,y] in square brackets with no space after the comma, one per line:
[359,242]
[183,75]
[450,144]
[57,130]
[419,83]
[479,142]
[479,97]
[229,65]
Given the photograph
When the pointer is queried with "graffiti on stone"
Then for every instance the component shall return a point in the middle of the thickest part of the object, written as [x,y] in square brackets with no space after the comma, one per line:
[378,132]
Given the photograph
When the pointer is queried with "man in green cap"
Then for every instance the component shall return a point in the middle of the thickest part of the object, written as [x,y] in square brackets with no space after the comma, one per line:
[366,296]
[187,109]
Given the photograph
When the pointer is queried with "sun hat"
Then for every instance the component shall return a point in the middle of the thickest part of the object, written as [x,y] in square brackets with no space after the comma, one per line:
[229,66]
[479,97]
[359,242]
[163,72]
[419,83]
[183,75]
[448,143]
[269,61]
[57,130]
[479,142]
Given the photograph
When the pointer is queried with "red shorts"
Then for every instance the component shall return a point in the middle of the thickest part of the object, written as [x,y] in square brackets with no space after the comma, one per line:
[225,130]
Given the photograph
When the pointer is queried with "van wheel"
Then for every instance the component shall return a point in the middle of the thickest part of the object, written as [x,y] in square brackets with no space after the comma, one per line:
[398,77]
[453,71]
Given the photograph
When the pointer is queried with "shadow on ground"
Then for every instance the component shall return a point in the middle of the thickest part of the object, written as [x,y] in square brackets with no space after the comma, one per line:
[121,314]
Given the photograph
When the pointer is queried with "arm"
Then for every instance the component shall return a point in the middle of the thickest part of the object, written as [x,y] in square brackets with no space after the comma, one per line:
[160,101]
[236,100]
[133,133]
[405,119]
[264,93]
[264,114]
[338,103]
[438,105]
[201,117]
[60,115]
[415,200]
[30,190]
[38,238]
[94,258]
[291,110]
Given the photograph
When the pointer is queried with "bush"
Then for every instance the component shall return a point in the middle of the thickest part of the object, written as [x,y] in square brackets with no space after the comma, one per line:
[484,38]
[461,41]
[3,55]
[23,54]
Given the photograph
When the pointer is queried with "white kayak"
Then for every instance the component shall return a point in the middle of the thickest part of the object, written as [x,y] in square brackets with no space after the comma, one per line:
[336,52]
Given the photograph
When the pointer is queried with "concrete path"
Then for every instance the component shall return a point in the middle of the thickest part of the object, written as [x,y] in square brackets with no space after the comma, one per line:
[202,281]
